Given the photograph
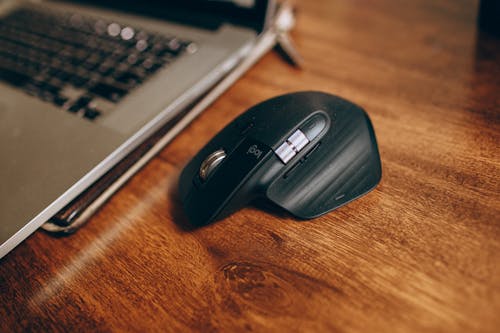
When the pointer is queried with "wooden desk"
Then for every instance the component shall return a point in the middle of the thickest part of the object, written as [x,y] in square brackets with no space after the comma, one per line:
[420,253]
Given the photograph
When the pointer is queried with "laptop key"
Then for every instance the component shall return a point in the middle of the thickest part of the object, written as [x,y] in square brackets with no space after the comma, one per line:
[108,91]
[91,113]
[13,77]
[128,78]
[63,75]
[59,100]
[80,104]
[78,81]
[105,69]
[50,88]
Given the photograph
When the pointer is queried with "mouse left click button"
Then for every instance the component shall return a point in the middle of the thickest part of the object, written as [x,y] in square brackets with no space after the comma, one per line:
[211,163]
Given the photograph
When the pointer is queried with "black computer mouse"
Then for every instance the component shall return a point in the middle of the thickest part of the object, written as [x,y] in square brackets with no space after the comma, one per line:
[307,152]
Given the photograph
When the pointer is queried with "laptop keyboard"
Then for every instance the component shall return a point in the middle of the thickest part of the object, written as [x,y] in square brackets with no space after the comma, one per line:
[81,64]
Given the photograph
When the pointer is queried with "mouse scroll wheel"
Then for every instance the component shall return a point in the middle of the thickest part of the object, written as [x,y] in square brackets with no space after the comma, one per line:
[209,165]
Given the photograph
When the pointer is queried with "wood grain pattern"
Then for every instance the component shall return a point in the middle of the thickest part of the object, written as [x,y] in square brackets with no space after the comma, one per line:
[419,253]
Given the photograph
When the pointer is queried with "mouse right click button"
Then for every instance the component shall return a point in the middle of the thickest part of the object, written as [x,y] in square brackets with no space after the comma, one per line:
[313,126]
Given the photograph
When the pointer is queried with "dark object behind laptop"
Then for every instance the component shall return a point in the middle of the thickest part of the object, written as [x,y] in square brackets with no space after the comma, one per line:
[489,16]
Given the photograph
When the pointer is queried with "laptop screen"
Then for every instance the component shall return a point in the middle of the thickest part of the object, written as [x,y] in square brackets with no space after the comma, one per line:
[207,13]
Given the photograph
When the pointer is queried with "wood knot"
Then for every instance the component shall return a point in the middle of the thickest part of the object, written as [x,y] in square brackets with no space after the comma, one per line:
[257,286]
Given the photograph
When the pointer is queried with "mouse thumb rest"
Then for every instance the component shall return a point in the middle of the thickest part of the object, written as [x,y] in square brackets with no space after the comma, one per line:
[308,169]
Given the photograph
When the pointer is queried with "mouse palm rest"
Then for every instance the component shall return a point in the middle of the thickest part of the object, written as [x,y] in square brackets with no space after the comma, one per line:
[307,152]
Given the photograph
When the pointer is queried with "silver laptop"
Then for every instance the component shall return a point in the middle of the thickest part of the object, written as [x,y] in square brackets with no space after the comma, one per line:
[83,83]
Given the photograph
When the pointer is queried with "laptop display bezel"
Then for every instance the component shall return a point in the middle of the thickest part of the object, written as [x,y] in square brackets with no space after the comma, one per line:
[204,13]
